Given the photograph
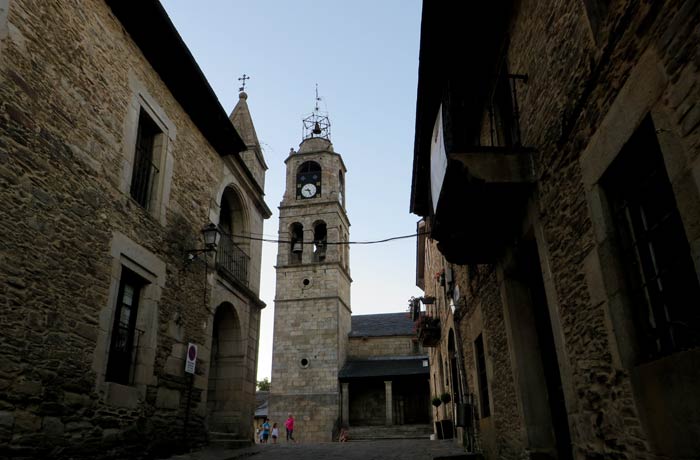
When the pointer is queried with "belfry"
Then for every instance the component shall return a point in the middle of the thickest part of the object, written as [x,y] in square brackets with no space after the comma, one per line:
[312,301]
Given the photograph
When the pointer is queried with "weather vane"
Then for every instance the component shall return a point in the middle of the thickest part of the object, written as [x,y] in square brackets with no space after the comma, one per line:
[246,77]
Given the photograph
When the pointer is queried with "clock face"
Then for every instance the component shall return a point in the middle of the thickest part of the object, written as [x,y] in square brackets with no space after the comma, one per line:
[308,190]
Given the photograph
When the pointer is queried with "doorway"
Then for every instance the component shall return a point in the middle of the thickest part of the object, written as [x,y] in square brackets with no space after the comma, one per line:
[226,373]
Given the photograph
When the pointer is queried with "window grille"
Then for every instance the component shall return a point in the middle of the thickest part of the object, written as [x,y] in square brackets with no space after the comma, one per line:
[661,279]
[145,169]
[125,336]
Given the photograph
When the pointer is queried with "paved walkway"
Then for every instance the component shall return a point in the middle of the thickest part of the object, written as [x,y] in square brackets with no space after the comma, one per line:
[403,449]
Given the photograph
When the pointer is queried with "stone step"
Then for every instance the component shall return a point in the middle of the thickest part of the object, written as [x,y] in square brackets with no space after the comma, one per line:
[369,433]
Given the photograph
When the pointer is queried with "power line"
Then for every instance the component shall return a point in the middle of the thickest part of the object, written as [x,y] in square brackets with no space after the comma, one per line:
[270,240]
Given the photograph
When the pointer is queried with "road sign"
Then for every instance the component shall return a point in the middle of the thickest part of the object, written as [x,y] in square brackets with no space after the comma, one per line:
[191,358]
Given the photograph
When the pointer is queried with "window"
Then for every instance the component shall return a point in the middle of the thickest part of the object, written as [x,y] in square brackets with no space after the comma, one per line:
[662,284]
[308,180]
[504,115]
[482,379]
[145,172]
[125,336]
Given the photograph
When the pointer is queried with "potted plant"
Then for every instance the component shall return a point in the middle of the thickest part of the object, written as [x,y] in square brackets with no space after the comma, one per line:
[436,402]
[428,330]
[446,424]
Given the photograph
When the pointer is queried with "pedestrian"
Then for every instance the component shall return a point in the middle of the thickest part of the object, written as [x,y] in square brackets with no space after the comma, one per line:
[266,431]
[344,435]
[259,431]
[289,425]
[275,433]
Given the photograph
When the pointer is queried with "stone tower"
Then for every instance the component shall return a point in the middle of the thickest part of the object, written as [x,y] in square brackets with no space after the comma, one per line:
[312,302]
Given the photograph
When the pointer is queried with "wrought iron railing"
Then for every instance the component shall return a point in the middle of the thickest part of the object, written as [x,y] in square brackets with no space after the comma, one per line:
[231,260]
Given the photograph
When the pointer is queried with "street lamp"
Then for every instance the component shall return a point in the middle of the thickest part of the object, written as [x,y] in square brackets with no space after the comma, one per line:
[211,234]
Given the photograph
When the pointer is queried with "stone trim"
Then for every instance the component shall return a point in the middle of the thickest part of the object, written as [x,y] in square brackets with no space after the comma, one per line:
[637,98]
[163,149]
[127,253]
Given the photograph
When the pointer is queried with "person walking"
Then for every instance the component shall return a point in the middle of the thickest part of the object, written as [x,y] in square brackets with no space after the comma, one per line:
[275,433]
[266,431]
[289,425]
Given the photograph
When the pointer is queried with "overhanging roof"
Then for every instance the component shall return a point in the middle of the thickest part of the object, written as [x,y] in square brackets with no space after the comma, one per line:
[384,367]
[151,29]
[460,46]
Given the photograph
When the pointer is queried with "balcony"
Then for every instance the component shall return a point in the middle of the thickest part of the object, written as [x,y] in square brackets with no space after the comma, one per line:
[428,330]
[232,261]
[480,200]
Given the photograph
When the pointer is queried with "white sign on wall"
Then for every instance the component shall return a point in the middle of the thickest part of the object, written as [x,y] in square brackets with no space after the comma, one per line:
[438,160]
[191,358]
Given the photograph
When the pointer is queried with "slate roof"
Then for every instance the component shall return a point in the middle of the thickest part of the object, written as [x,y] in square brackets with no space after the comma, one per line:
[381,325]
[261,399]
[385,367]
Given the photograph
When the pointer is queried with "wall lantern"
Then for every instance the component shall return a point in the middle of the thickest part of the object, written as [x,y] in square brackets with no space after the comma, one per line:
[211,234]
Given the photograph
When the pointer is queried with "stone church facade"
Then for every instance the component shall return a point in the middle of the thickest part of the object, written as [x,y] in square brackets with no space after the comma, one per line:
[556,172]
[115,154]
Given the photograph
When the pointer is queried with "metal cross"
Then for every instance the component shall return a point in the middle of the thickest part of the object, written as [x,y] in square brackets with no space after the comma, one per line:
[243,79]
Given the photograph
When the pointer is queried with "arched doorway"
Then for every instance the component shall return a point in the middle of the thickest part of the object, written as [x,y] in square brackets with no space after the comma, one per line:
[226,372]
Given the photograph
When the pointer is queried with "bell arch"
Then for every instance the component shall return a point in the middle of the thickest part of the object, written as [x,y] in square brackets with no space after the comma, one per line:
[320,240]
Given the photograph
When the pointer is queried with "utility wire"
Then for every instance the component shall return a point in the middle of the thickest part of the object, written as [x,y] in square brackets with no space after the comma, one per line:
[270,240]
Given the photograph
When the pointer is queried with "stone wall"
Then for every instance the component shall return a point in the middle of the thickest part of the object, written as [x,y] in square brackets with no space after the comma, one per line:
[71,84]
[364,347]
[591,81]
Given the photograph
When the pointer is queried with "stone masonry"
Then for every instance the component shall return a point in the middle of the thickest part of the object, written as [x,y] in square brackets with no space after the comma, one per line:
[596,73]
[312,301]
[73,85]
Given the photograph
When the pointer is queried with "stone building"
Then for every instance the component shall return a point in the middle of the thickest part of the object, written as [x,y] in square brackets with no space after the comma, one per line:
[557,172]
[312,374]
[114,154]
[312,299]
[385,378]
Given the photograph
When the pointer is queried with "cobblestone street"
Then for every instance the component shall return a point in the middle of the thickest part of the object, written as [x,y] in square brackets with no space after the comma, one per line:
[365,450]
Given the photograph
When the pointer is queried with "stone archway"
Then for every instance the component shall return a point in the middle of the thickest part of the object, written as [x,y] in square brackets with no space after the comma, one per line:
[226,372]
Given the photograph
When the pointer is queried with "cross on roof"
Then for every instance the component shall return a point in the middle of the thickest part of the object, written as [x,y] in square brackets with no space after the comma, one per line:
[243,79]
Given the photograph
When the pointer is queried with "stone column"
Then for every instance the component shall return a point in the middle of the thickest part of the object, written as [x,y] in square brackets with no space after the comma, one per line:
[389,403]
[345,411]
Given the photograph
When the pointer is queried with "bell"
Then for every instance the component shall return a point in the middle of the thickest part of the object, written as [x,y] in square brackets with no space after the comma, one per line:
[296,247]
[317,128]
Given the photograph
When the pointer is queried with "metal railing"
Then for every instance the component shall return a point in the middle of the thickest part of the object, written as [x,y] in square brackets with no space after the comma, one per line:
[231,260]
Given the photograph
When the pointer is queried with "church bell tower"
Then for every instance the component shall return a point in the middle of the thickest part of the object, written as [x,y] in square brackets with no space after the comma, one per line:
[312,300]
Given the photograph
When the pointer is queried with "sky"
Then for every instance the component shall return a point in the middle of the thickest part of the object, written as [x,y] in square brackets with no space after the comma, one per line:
[364,57]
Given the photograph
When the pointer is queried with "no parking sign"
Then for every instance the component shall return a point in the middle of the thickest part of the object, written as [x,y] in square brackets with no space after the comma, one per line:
[191,358]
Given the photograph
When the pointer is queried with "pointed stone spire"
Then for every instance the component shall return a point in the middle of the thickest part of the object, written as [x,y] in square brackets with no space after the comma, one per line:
[243,122]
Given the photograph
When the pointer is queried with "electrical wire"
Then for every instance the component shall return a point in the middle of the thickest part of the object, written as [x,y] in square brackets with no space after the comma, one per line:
[385,240]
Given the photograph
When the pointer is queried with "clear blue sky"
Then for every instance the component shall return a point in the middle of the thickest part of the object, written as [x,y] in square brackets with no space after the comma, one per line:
[364,56]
